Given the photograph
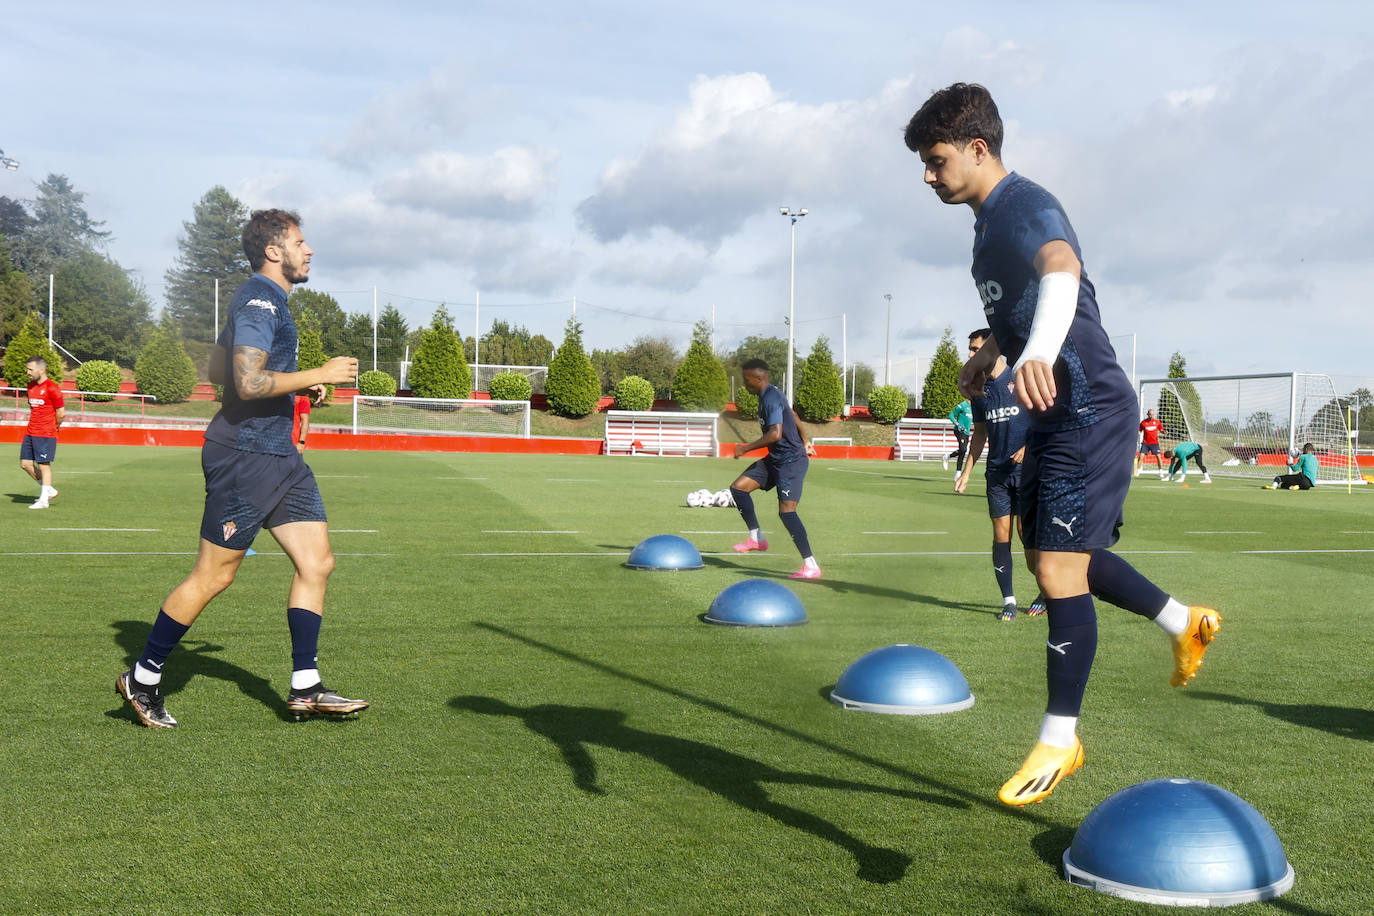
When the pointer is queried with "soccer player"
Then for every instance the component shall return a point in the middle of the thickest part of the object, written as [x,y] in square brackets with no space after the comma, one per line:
[1302,473]
[783,467]
[1000,423]
[1149,443]
[1178,461]
[300,425]
[1043,313]
[962,418]
[47,410]
[254,477]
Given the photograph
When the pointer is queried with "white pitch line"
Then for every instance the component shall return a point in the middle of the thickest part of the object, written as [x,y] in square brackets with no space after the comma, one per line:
[156,553]
[102,529]
[353,531]
[904,532]
[65,472]
[460,478]
[1223,532]
[562,554]
[1357,532]
[341,477]
[525,531]
[1325,550]
[677,481]
[572,479]
[922,553]
[731,531]
[872,473]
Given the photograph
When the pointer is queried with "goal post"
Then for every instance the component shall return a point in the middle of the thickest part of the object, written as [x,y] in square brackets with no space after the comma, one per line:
[1250,425]
[441,416]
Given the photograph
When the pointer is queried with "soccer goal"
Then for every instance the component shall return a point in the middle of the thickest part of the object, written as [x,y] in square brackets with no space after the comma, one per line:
[441,416]
[483,373]
[1248,425]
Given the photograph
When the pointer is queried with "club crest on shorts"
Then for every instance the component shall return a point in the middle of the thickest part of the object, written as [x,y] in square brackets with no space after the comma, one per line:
[229,529]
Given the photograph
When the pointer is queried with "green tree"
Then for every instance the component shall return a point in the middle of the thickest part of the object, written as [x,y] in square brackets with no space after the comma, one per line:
[32,340]
[16,295]
[607,366]
[98,375]
[700,382]
[438,369]
[392,330]
[14,219]
[330,321]
[309,351]
[773,351]
[61,228]
[510,386]
[209,248]
[887,403]
[572,386]
[940,392]
[164,369]
[1178,403]
[654,359]
[819,393]
[376,383]
[356,339]
[863,380]
[634,393]
[99,311]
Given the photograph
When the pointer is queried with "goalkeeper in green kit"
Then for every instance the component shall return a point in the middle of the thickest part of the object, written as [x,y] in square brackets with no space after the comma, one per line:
[1302,472]
[1178,461]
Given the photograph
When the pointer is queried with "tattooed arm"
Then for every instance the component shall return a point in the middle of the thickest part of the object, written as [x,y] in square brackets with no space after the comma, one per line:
[253,381]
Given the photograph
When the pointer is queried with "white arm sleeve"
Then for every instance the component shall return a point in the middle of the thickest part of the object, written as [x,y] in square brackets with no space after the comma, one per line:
[1054,311]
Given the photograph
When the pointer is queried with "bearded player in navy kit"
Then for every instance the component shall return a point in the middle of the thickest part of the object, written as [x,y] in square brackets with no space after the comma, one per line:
[1000,423]
[254,477]
[1043,313]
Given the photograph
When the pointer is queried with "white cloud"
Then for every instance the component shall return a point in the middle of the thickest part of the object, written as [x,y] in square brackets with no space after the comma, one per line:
[511,183]
[406,120]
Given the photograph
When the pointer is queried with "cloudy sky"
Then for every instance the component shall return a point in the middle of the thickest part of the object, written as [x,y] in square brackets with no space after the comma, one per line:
[632,156]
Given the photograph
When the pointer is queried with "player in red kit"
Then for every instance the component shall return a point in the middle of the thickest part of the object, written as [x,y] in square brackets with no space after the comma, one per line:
[47,410]
[1149,443]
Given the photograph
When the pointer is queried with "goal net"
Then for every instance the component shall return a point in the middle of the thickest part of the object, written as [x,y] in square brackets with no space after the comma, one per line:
[483,373]
[441,416]
[1248,425]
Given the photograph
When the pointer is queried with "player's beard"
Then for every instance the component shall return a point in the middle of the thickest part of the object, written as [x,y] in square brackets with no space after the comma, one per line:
[296,273]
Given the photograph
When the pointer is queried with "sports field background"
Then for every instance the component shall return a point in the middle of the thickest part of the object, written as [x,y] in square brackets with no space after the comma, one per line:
[552,732]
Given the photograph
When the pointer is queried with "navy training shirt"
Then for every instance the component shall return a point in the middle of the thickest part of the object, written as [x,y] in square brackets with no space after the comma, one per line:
[1016,220]
[259,318]
[774,410]
[1005,422]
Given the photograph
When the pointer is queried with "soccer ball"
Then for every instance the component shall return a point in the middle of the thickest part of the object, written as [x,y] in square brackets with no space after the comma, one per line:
[694,499]
[699,499]
[724,499]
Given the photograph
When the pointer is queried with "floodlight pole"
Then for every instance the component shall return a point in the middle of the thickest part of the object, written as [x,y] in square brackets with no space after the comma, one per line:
[793,215]
[887,355]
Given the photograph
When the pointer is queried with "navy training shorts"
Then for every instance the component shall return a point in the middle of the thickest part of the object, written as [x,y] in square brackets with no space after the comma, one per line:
[1074,484]
[1149,448]
[786,477]
[38,449]
[1002,493]
[246,492]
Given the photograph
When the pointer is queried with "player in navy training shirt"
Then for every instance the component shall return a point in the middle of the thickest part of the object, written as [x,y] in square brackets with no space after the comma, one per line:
[1043,313]
[783,467]
[1000,422]
[254,477]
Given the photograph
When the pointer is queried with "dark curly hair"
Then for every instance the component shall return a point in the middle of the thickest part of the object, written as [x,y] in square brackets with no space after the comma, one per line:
[958,115]
[265,227]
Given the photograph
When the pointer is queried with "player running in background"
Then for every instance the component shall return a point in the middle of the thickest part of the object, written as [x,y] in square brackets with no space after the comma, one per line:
[254,477]
[1041,307]
[1178,461]
[38,449]
[783,467]
[1149,443]
[300,424]
[962,418]
[1302,473]
[1000,423]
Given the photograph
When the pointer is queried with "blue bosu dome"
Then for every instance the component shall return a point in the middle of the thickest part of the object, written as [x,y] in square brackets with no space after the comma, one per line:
[1179,842]
[902,679]
[664,551]
[756,603]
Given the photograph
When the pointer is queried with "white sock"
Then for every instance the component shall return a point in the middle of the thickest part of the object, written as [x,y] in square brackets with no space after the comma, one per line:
[1174,618]
[810,563]
[1058,731]
[49,491]
[306,677]
[756,534]
[1009,600]
[145,677]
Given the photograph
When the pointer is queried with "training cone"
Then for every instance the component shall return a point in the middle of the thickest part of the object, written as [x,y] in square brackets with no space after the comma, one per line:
[1178,842]
[664,551]
[903,680]
[756,603]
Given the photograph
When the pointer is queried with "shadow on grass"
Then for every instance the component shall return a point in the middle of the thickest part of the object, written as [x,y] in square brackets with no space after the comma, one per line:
[196,658]
[22,497]
[732,776]
[1345,721]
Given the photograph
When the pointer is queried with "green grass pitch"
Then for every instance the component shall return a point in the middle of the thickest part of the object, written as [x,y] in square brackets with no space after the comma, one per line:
[553,732]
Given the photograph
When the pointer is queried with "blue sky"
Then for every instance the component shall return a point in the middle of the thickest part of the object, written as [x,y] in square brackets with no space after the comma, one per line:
[634,156]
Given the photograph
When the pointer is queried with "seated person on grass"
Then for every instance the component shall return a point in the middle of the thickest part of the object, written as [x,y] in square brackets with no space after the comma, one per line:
[1302,472]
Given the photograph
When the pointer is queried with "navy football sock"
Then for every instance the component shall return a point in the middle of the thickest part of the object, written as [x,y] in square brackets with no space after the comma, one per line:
[794,527]
[744,502]
[162,639]
[1117,582]
[1001,567]
[1069,652]
[305,637]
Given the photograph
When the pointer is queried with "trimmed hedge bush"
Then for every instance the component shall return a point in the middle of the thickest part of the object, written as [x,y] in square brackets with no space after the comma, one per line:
[700,382]
[439,369]
[746,403]
[820,393]
[164,369]
[634,393]
[887,403]
[375,383]
[573,387]
[510,386]
[98,375]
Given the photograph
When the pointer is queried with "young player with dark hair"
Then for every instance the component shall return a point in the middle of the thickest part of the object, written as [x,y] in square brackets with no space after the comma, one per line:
[1043,313]
[1000,423]
[47,410]
[254,477]
[1302,472]
[1149,443]
[1178,461]
[783,467]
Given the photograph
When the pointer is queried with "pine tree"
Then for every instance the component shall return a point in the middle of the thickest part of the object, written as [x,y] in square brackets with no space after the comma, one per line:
[164,369]
[572,386]
[309,351]
[210,248]
[439,369]
[1183,401]
[820,392]
[700,382]
[940,393]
